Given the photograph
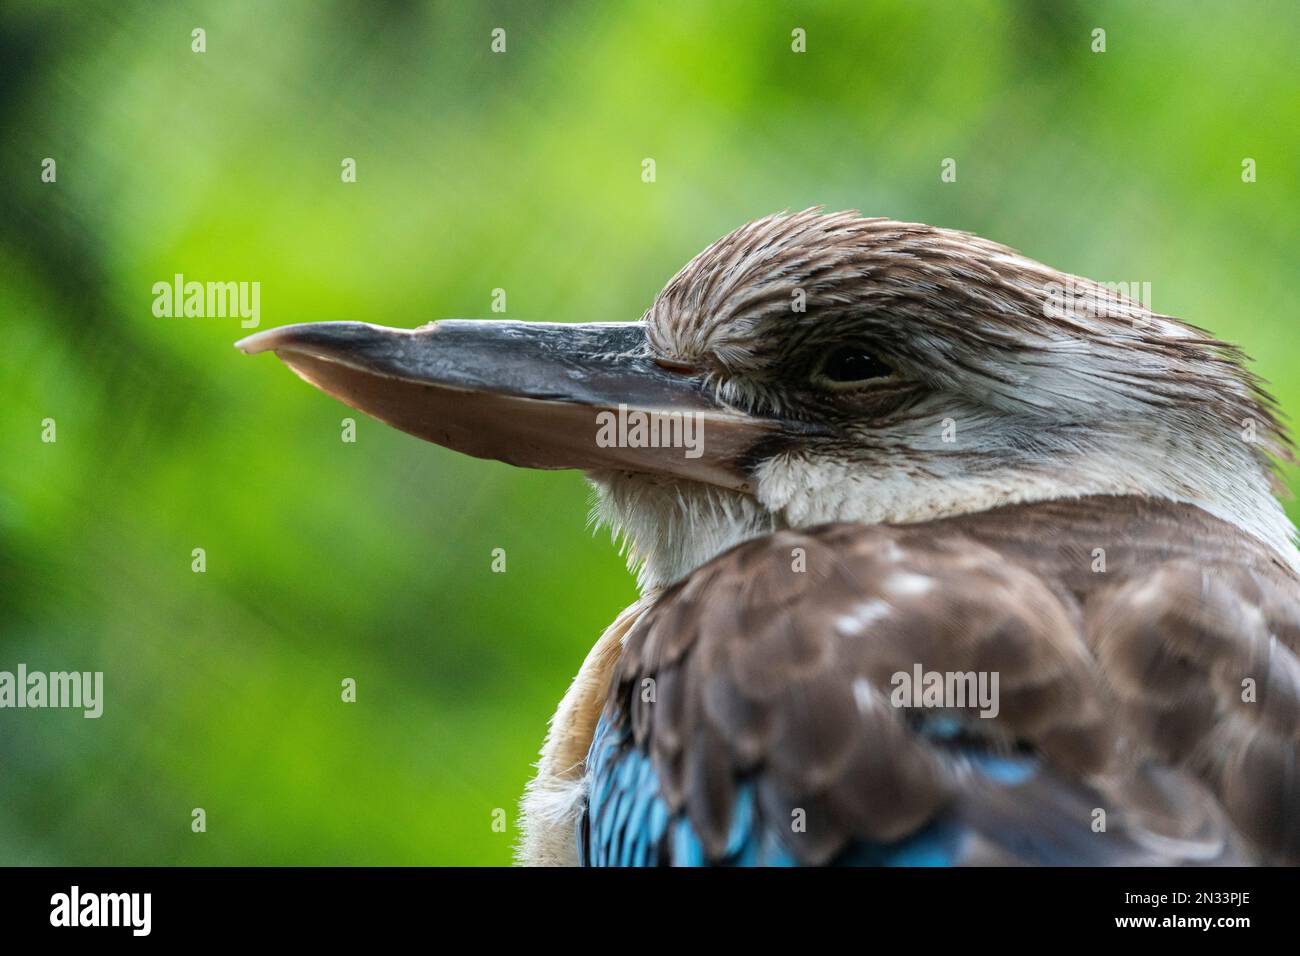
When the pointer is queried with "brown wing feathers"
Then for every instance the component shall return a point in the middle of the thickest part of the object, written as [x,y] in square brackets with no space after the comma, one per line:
[774,663]
[1194,658]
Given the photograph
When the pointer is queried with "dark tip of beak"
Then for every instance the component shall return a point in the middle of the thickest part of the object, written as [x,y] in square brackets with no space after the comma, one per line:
[267,341]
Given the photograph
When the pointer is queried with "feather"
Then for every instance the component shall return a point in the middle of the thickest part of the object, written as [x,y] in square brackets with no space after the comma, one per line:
[774,733]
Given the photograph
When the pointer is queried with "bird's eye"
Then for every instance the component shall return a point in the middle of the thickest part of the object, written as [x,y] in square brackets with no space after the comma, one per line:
[849,366]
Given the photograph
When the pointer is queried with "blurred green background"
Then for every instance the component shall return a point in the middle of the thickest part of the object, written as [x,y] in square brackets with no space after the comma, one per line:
[478,171]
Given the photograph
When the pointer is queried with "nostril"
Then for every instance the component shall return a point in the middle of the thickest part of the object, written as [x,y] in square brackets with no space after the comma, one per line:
[680,368]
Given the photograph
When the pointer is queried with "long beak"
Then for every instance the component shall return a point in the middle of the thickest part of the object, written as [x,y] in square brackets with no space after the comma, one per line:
[537,395]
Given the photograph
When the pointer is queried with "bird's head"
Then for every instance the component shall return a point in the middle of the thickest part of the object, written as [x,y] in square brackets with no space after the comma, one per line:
[808,368]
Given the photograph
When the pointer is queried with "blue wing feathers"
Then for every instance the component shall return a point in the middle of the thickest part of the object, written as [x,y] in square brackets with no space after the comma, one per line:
[628,823]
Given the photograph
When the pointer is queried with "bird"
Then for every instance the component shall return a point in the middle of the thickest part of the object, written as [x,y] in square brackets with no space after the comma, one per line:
[945,557]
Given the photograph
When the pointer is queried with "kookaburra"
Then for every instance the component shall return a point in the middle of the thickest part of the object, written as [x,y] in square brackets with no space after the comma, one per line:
[864,468]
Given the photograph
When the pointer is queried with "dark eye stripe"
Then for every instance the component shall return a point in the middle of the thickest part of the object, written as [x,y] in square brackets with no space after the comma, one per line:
[846,365]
